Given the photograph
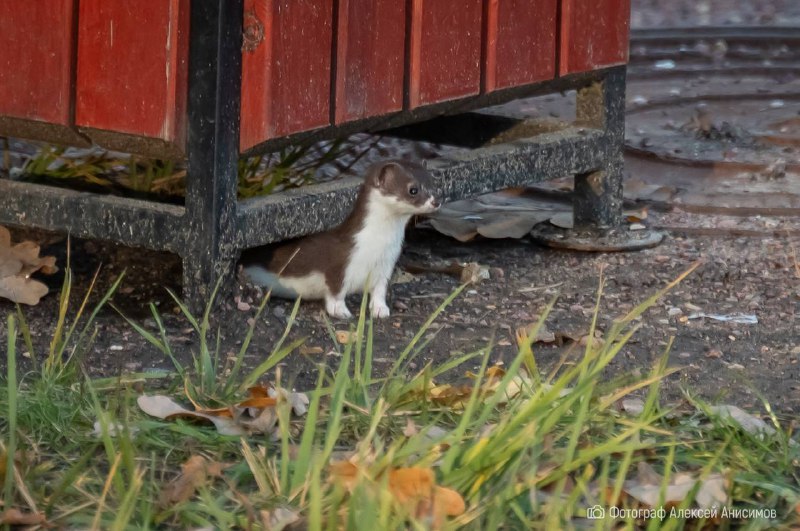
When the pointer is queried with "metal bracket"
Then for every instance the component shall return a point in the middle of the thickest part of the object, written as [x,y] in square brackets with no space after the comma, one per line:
[597,196]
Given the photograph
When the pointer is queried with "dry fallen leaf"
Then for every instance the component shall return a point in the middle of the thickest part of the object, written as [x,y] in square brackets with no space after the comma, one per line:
[193,475]
[411,428]
[343,337]
[16,517]
[413,487]
[454,396]
[256,420]
[633,406]
[646,488]
[748,422]
[543,334]
[298,401]
[17,264]
[115,429]
[165,408]
[279,518]
[256,414]
[504,214]
[305,350]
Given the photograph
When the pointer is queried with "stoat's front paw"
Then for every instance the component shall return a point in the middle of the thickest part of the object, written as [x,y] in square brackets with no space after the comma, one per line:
[338,310]
[380,311]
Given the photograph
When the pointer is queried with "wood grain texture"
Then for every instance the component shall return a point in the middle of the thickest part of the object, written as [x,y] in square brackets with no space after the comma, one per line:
[36,59]
[132,68]
[519,42]
[286,76]
[594,34]
[370,54]
[444,50]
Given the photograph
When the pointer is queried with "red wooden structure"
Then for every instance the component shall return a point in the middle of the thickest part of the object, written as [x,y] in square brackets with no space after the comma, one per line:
[197,78]
[116,71]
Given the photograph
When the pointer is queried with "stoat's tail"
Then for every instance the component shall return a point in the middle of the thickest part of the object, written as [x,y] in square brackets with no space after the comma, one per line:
[260,276]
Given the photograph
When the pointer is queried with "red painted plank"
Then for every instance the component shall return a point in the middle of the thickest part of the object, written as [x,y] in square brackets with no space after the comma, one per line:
[445,50]
[593,34]
[370,47]
[132,67]
[36,59]
[520,42]
[286,76]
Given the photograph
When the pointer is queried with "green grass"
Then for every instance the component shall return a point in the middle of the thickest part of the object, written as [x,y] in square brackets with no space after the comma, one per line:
[524,452]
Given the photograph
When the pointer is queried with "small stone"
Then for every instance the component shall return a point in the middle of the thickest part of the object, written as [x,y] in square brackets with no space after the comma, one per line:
[633,406]
[714,354]
[243,306]
[685,355]
[665,64]
[673,311]
[116,347]
[400,305]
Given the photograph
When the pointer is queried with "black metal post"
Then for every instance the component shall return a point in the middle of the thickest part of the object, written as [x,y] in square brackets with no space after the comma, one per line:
[215,78]
[597,201]
[597,198]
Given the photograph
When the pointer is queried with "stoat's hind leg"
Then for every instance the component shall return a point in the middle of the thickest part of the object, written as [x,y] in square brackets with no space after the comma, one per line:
[336,306]
[269,281]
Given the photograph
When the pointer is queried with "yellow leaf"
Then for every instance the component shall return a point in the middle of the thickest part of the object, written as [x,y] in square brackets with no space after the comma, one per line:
[344,337]
[412,488]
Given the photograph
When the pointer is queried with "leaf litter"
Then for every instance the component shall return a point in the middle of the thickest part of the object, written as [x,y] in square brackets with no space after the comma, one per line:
[17,263]
[413,489]
[256,414]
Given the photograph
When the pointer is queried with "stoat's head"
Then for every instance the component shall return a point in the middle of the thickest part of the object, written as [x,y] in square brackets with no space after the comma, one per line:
[405,188]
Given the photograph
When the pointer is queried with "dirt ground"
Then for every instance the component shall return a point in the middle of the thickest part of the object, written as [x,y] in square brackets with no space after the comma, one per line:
[749,265]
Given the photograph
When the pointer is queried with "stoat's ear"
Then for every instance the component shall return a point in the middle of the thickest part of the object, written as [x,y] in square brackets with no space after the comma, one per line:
[385,174]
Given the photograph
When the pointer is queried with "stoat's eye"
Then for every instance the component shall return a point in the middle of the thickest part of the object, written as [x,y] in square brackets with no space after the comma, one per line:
[413,190]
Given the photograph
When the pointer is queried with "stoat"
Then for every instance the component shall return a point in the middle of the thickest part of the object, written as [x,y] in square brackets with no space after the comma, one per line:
[359,254]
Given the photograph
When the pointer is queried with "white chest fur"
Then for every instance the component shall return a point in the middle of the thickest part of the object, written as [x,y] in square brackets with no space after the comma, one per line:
[377,245]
